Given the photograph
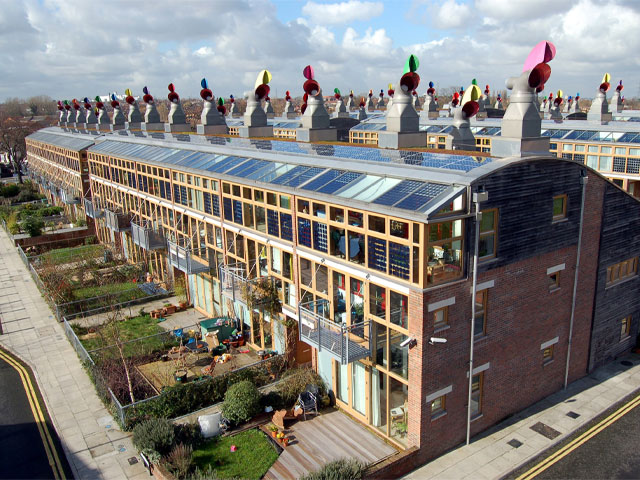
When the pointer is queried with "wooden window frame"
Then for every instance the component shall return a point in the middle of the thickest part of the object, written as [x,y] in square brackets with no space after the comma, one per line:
[625,330]
[441,409]
[614,275]
[480,391]
[485,294]
[445,321]
[494,232]
[554,281]
[563,215]
[547,354]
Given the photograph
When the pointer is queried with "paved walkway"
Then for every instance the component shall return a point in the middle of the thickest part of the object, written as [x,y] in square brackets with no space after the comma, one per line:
[93,443]
[490,456]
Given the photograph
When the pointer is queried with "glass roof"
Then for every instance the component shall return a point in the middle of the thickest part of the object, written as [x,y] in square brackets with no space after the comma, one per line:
[72,143]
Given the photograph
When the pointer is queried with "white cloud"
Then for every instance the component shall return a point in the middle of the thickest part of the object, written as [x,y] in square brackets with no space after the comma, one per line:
[343,12]
[203,52]
[451,15]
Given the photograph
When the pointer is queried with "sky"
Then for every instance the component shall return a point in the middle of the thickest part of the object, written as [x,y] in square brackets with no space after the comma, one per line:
[76,48]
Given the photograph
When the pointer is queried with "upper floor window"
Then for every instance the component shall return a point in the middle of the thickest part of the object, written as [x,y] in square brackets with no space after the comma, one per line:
[480,324]
[488,234]
[621,271]
[559,207]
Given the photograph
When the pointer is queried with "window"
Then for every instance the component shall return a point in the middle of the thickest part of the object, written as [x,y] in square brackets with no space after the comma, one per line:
[547,354]
[621,271]
[438,406]
[476,394]
[554,281]
[625,330]
[488,237]
[559,207]
[480,325]
[441,317]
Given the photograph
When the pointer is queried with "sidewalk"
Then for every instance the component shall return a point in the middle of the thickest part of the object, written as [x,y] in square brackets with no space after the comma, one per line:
[93,443]
[490,456]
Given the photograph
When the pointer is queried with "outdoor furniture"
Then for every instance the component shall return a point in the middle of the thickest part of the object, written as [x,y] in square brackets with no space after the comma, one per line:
[308,402]
[197,346]
[282,418]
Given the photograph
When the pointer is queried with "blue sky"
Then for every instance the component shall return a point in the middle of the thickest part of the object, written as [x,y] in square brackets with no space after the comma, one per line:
[77,48]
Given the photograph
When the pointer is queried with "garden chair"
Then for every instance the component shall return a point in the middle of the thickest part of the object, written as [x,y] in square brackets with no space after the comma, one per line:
[178,333]
[308,402]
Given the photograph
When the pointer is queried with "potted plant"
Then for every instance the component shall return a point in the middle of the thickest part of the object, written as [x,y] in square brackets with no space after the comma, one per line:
[181,292]
[180,376]
[169,308]
[274,430]
[280,436]
[262,294]
[285,441]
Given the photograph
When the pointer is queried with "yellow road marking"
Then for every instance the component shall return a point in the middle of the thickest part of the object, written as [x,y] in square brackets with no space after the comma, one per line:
[577,442]
[47,441]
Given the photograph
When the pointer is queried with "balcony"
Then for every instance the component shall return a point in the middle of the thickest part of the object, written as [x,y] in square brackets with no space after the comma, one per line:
[92,209]
[116,221]
[69,198]
[147,238]
[189,260]
[257,294]
[233,279]
[346,343]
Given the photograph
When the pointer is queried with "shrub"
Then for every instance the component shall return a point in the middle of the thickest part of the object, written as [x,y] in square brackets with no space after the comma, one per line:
[295,382]
[12,224]
[179,460]
[10,190]
[241,402]
[27,195]
[33,226]
[155,434]
[189,434]
[343,469]
[81,222]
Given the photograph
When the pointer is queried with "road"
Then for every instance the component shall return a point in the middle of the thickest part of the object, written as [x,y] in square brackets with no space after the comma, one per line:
[28,448]
[605,449]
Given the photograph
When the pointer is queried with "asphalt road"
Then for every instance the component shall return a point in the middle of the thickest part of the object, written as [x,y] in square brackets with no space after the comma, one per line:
[610,454]
[22,450]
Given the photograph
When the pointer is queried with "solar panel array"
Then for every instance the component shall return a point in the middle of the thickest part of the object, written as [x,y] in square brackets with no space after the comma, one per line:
[72,143]
[411,195]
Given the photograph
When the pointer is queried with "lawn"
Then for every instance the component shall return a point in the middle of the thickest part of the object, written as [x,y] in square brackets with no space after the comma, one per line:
[66,255]
[135,327]
[122,292]
[254,455]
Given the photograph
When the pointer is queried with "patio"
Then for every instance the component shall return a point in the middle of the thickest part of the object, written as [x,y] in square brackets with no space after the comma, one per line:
[327,437]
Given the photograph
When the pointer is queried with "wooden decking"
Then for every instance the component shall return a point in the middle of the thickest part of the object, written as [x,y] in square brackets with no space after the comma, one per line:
[329,436]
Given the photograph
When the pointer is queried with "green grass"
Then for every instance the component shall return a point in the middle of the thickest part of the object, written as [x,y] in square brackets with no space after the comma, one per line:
[253,457]
[131,329]
[121,291]
[70,254]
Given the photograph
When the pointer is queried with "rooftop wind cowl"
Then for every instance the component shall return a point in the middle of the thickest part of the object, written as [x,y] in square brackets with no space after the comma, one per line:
[460,136]
[268,108]
[70,113]
[556,112]
[234,111]
[341,109]
[151,115]
[370,106]
[315,118]
[567,104]
[381,101]
[103,116]
[362,112]
[430,107]
[575,105]
[616,101]
[212,119]
[255,118]
[599,111]
[90,118]
[391,92]
[416,101]
[351,102]
[135,117]
[498,104]
[289,111]
[118,117]
[62,112]
[80,113]
[520,133]
[403,122]
[177,120]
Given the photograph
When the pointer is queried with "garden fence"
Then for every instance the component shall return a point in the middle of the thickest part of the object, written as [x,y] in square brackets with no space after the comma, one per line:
[76,343]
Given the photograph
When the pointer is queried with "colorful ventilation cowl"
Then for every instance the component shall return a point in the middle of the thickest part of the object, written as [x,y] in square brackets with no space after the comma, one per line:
[151,115]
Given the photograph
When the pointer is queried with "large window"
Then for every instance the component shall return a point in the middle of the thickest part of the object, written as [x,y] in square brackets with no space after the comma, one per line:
[621,271]
[488,237]
[444,262]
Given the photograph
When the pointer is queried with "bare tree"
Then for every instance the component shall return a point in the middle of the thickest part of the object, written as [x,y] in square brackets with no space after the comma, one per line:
[12,140]
[111,335]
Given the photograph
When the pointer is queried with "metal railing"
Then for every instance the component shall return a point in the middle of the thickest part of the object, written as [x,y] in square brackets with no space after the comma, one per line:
[76,343]
[117,221]
[92,209]
[347,343]
[233,278]
[189,260]
[69,198]
[147,238]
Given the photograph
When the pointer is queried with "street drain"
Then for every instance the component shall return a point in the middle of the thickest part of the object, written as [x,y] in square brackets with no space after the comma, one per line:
[132,460]
[515,443]
[626,363]
[573,415]
[545,430]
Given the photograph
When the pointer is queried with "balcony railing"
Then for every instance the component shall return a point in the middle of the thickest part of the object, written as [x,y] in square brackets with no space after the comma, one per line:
[147,238]
[346,343]
[69,198]
[117,221]
[189,260]
[233,278]
[92,209]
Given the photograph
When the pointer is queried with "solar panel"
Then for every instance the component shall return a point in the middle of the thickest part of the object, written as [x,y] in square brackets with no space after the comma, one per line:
[303,177]
[255,167]
[322,180]
[248,165]
[339,182]
[398,192]
[294,172]
[421,196]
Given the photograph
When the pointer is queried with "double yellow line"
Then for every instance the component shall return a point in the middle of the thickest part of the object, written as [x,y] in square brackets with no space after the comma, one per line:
[45,435]
[577,442]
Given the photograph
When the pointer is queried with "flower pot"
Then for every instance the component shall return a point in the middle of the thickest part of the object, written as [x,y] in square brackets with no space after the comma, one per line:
[183,305]
[274,434]
[285,442]
[181,376]
[170,309]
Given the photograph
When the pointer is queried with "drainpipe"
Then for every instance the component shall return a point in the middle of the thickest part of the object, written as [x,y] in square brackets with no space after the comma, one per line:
[478,197]
[583,181]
